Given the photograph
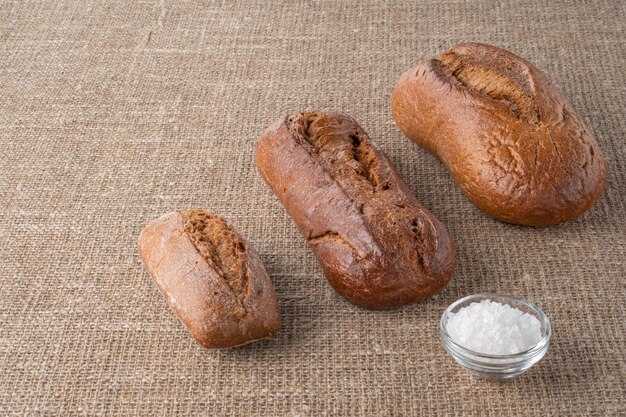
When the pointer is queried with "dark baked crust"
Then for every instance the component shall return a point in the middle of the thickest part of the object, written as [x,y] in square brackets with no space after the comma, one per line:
[509,137]
[377,245]
[211,278]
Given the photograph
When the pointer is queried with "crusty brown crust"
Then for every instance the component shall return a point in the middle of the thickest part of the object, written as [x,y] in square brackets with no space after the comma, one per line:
[509,137]
[377,245]
[212,279]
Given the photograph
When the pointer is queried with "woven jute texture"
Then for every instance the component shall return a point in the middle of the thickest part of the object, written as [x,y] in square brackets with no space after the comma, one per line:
[113,113]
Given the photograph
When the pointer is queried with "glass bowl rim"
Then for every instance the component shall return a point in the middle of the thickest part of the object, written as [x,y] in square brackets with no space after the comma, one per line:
[538,347]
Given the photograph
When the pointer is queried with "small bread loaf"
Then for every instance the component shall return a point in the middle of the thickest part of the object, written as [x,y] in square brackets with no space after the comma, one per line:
[509,137]
[211,278]
[377,245]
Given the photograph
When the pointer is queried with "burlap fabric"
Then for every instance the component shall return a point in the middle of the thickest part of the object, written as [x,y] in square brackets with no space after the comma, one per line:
[113,113]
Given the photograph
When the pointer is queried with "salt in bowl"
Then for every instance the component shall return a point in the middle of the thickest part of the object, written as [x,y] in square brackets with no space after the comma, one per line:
[491,366]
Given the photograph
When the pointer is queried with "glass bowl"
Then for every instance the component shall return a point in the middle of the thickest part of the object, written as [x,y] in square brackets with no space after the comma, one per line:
[496,367]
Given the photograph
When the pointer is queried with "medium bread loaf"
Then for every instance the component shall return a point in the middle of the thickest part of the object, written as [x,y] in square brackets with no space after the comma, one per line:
[377,245]
[211,278]
[508,136]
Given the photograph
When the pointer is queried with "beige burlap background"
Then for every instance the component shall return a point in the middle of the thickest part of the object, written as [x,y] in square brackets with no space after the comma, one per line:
[113,113]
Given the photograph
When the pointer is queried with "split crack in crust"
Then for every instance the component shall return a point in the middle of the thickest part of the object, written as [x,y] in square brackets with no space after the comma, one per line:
[358,159]
[499,83]
[330,235]
[221,247]
[345,152]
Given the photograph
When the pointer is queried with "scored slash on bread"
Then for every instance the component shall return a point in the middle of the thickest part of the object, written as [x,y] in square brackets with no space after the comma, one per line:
[377,245]
[211,278]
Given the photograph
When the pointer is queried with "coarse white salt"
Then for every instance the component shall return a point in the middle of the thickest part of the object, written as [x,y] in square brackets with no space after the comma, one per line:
[493,328]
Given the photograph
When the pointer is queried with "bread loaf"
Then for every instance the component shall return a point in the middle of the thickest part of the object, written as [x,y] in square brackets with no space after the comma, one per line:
[508,136]
[211,278]
[377,245]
